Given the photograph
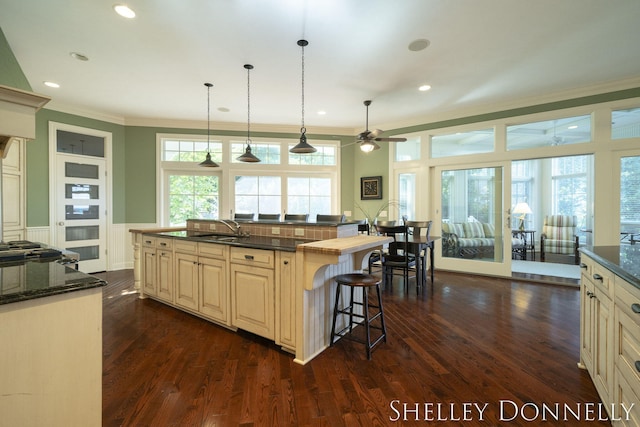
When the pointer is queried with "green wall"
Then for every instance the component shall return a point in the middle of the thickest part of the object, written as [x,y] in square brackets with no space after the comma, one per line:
[10,71]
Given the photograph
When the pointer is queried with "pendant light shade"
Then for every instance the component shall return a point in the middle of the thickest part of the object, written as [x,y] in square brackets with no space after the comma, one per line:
[208,163]
[303,147]
[247,156]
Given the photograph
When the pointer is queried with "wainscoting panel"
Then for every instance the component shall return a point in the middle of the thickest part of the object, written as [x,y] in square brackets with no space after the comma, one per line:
[38,234]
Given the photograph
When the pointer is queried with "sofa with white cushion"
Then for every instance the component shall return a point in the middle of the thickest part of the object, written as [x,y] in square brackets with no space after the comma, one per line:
[471,240]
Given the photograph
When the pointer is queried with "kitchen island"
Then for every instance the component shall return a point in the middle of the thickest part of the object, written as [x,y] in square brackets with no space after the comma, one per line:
[279,287]
[610,326]
[51,334]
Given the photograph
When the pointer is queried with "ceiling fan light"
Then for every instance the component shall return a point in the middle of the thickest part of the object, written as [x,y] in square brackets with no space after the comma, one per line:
[369,146]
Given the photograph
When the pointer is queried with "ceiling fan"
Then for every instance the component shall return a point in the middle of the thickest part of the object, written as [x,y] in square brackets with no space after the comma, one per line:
[367,139]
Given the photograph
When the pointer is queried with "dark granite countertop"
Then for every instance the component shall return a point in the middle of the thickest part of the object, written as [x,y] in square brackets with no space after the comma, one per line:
[256,242]
[622,260]
[26,280]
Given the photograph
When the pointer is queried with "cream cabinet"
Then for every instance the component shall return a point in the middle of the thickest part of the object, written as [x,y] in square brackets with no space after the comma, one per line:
[597,325]
[213,286]
[187,280]
[285,300]
[610,340]
[252,290]
[626,391]
[157,271]
[13,192]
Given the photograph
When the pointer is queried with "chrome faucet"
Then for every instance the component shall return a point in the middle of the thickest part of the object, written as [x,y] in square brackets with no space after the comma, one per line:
[235,228]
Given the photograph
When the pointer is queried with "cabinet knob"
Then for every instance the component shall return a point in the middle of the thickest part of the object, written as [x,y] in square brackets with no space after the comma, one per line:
[636,308]
[637,365]
[248,257]
[286,263]
[598,277]
[583,265]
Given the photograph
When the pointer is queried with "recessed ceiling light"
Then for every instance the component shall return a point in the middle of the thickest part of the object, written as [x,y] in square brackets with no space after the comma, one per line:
[424,88]
[79,56]
[419,44]
[223,109]
[124,11]
[322,113]
[52,84]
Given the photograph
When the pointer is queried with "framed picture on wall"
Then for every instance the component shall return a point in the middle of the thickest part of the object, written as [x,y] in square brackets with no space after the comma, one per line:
[370,187]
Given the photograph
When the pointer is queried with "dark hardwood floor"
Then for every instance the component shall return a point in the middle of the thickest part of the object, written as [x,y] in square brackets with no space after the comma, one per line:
[509,345]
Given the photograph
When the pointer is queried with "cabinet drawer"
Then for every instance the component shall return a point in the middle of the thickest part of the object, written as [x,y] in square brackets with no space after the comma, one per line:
[602,278]
[164,243]
[257,257]
[627,348]
[628,300]
[149,241]
[185,246]
[625,396]
[212,250]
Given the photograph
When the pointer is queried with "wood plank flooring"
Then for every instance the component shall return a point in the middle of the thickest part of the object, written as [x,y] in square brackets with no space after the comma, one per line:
[467,340]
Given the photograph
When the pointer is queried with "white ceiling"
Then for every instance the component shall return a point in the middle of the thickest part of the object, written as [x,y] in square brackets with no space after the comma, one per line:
[155,65]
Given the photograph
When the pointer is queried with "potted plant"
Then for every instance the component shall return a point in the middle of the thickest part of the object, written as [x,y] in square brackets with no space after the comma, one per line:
[372,218]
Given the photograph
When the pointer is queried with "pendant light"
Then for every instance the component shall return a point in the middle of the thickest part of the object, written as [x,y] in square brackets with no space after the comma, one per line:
[208,163]
[248,157]
[303,146]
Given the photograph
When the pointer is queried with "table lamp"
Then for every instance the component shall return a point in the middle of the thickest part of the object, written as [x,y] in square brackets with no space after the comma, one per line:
[523,209]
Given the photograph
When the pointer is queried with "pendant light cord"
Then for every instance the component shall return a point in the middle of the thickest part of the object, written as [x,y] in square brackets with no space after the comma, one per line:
[248,67]
[302,128]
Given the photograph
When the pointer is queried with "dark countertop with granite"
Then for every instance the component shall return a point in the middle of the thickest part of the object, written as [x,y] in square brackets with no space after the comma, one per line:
[622,260]
[27,280]
[255,242]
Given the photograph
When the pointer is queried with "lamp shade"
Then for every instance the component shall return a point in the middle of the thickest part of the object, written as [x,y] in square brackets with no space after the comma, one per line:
[522,208]
[369,146]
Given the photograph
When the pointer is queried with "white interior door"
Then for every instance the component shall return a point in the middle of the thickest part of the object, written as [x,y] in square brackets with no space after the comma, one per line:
[81,211]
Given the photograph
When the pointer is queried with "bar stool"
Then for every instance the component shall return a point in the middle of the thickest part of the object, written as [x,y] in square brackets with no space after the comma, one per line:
[365,282]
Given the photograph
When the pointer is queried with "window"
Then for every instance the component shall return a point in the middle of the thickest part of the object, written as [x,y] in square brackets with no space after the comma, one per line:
[309,195]
[630,195]
[260,194]
[569,186]
[176,150]
[407,195]
[463,143]
[625,123]
[281,182]
[549,133]
[522,189]
[192,196]
[325,156]
[269,154]
[408,150]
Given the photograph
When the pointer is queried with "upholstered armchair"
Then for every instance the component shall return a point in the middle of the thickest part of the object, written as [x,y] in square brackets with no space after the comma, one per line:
[559,236]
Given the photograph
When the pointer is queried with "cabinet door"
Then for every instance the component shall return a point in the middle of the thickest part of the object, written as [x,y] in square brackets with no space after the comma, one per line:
[164,278]
[285,300]
[603,345]
[186,280]
[586,324]
[214,302]
[149,270]
[252,301]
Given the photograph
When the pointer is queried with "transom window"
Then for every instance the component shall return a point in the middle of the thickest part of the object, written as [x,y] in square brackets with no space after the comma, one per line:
[280,182]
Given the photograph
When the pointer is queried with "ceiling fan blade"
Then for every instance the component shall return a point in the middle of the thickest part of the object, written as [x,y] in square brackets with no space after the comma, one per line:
[391,139]
[375,133]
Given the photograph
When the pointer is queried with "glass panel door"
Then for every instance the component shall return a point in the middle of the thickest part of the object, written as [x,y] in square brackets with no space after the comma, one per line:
[630,199]
[472,219]
[81,225]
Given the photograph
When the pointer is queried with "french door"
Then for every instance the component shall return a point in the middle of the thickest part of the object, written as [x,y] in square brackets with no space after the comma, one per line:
[79,195]
[472,218]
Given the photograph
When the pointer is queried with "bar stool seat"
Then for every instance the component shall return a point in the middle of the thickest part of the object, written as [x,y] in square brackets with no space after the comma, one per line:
[365,282]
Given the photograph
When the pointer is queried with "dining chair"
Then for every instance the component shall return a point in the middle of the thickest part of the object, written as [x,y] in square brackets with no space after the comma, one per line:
[330,218]
[296,217]
[397,257]
[244,216]
[419,229]
[270,217]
